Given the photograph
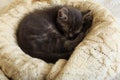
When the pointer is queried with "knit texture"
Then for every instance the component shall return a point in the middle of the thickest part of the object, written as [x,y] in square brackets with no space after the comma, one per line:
[97,57]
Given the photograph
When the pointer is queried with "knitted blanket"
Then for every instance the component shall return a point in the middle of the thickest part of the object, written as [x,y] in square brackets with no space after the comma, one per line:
[97,57]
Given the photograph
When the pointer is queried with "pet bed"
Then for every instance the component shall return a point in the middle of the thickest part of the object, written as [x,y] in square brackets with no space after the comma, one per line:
[97,57]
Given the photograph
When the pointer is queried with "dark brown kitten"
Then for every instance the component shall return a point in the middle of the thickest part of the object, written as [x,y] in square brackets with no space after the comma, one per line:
[51,33]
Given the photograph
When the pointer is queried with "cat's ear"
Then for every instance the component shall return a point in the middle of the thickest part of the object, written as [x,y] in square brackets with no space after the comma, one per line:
[87,15]
[63,14]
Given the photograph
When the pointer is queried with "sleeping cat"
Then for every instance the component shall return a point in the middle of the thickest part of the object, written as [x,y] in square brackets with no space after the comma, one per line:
[51,33]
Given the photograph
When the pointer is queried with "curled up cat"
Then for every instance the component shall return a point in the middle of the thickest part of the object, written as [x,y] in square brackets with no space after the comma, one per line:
[52,33]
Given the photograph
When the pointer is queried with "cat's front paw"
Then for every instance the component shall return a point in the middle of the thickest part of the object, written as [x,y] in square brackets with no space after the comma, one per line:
[80,37]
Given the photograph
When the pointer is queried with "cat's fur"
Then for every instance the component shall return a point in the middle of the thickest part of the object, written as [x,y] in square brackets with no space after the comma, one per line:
[51,33]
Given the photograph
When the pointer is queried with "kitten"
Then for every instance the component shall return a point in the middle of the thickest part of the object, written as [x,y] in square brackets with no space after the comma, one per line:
[51,33]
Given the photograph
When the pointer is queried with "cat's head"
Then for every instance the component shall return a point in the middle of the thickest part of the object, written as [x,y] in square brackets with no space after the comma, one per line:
[71,21]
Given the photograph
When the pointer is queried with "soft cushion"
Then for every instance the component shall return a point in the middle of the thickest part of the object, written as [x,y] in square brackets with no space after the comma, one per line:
[97,57]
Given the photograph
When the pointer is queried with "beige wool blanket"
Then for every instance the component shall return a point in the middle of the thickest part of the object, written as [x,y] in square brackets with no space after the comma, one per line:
[97,57]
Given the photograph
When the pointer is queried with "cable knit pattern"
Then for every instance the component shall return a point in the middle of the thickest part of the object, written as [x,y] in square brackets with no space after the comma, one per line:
[97,57]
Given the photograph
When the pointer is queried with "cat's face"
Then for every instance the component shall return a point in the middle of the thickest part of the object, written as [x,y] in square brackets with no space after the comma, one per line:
[70,21]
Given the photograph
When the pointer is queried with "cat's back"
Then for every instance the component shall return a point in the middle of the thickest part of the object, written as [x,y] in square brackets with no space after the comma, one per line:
[38,19]
[39,25]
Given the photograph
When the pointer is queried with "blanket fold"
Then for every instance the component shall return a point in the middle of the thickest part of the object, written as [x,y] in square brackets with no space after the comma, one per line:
[97,57]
